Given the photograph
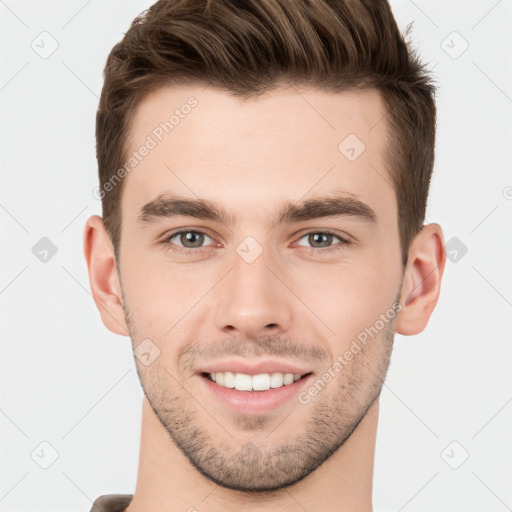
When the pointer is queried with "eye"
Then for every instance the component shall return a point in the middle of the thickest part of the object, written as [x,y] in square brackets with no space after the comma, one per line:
[186,239]
[323,240]
[189,241]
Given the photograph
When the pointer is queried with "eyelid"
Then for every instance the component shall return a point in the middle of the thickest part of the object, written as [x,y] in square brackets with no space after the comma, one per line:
[322,232]
[203,231]
[172,235]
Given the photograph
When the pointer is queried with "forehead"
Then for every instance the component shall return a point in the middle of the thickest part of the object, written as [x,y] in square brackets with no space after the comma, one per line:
[289,144]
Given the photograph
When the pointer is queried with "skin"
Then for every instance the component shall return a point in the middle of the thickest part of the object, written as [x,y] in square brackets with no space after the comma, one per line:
[294,302]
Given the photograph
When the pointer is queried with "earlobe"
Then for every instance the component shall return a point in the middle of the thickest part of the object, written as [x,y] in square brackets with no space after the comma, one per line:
[422,280]
[103,277]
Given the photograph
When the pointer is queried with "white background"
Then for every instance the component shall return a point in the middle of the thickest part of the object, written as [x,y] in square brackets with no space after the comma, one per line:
[68,381]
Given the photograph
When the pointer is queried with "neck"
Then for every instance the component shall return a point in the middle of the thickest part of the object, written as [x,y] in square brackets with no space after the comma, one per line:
[167,481]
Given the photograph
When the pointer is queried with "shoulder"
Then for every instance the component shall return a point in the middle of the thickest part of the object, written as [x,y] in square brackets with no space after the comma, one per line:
[111,502]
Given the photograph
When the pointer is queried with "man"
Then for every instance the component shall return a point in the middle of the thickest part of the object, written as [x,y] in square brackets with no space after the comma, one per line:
[264,172]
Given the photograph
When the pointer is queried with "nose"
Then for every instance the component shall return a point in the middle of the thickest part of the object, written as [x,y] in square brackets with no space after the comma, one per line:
[253,302]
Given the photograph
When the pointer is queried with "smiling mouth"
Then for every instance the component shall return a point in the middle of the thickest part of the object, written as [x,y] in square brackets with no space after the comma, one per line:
[253,383]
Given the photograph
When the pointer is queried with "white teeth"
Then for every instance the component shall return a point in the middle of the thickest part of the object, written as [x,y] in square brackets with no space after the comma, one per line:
[243,382]
[288,378]
[229,379]
[260,382]
[276,380]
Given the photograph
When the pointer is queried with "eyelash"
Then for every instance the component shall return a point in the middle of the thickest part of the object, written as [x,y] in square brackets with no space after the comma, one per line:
[312,250]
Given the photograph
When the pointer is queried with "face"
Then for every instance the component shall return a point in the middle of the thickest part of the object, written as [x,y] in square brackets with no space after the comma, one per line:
[258,239]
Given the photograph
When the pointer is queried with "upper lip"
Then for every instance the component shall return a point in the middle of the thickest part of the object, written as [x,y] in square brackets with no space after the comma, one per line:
[254,368]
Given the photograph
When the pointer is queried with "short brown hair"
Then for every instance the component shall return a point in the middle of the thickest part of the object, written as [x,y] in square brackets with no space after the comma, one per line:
[249,47]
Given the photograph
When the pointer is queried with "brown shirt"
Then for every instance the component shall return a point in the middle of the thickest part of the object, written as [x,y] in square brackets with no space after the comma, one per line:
[111,503]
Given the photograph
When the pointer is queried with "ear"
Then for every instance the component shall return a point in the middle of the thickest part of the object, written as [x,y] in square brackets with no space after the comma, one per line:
[103,277]
[422,280]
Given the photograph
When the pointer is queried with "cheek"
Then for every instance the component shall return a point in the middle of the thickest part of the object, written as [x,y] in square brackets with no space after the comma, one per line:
[160,294]
[350,296]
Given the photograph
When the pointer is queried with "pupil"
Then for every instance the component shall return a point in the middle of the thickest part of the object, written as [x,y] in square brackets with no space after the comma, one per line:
[317,238]
[193,237]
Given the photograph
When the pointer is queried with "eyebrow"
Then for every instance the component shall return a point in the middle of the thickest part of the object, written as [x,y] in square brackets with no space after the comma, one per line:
[168,206]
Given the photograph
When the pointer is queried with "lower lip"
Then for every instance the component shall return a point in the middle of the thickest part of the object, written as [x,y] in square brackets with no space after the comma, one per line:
[254,401]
